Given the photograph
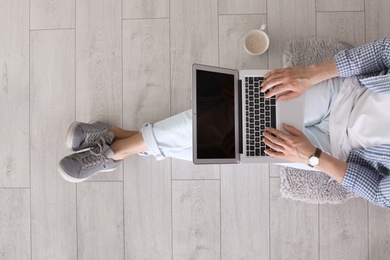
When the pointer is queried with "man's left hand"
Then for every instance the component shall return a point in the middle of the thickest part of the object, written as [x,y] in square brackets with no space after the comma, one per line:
[292,146]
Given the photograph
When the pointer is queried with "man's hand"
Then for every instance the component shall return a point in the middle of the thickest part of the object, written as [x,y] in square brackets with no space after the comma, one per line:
[291,82]
[287,83]
[292,146]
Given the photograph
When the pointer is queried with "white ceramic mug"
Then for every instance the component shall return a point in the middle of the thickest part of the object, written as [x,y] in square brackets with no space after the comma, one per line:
[256,41]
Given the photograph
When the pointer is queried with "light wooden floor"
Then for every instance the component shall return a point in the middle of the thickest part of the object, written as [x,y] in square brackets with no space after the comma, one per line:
[129,61]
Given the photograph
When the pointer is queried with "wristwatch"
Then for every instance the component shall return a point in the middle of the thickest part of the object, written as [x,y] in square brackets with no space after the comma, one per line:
[314,160]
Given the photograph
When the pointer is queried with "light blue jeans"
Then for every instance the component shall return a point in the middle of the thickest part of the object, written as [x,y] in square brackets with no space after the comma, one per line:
[172,137]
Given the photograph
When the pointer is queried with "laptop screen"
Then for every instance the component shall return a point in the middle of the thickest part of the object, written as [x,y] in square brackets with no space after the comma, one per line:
[215,122]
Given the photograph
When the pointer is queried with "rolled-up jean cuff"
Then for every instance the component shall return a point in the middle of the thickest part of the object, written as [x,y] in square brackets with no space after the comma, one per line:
[150,140]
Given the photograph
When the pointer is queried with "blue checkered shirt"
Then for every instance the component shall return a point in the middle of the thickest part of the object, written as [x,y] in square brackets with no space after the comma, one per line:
[368,172]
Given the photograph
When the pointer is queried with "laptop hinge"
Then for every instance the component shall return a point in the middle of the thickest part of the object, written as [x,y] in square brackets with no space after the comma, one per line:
[240,116]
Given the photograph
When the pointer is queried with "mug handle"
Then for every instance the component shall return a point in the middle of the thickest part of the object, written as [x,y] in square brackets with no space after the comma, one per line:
[263,27]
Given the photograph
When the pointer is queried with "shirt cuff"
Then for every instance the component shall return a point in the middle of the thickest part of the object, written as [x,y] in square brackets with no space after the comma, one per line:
[342,64]
[350,177]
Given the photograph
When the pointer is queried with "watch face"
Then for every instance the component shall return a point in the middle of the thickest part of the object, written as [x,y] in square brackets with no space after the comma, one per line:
[314,161]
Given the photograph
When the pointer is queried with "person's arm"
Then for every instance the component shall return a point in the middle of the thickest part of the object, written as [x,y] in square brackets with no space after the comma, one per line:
[370,63]
[365,60]
[332,167]
[295,147]
[291,82]
[368,174]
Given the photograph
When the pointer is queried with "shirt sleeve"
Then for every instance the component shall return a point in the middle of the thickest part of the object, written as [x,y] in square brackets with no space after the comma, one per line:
[369,177]
[365,61]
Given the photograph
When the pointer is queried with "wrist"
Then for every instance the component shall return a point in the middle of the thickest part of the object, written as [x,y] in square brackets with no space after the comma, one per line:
[309,152]
[322,71]
[306,153]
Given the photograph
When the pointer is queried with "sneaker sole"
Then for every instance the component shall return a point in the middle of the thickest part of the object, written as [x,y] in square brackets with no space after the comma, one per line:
[70,136]
[73,179]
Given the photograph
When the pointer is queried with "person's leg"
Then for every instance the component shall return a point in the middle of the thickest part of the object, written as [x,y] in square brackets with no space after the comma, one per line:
[319,100]
[104,156]
[125,146]
[318,138]
[171,137]
[120,133]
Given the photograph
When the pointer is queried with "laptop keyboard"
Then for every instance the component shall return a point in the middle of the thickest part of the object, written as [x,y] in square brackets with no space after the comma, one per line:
[260,114]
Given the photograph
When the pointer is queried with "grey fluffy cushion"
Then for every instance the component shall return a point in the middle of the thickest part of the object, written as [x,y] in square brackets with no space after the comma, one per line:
[310,51]
[312,187]
[302,185]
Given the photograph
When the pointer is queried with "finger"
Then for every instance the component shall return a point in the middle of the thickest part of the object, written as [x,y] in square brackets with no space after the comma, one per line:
[268,74]
[273,145]
[292,130]
[272,72]
[273,139]
[278,133]
[277,90]
[274,154]
[280,89]
[277,80]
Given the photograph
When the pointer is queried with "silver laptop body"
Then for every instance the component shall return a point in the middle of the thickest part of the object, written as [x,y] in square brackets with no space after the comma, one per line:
[226,128]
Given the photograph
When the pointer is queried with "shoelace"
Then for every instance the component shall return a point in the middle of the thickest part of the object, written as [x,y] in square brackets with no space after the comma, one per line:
[92,136]
[96,155]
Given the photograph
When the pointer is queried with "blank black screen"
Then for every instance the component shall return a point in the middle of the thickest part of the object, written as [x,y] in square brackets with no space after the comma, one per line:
[215,115]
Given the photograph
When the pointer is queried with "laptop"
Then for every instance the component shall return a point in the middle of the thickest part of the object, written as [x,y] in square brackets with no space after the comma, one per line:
[229,114]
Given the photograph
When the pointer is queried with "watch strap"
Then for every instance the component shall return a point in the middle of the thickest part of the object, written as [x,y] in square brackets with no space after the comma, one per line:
[317,153]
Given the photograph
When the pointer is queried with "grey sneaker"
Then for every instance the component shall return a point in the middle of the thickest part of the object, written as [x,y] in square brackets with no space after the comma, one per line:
[82,135]
[78,167]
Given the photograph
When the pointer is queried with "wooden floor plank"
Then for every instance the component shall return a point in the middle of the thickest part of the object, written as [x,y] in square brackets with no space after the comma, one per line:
[337,6]
[148,209]
[99,67]
[294,230]
[288,20]
[343,230]
[133,9]
[377,19]
[146,99]
[146,72]
[239,7]
[196,219]
[378,232]
[342,26]
[53,14]
[53,200]
[245,211]
[100,221]
[15,237]
[194,39]
[14,93]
